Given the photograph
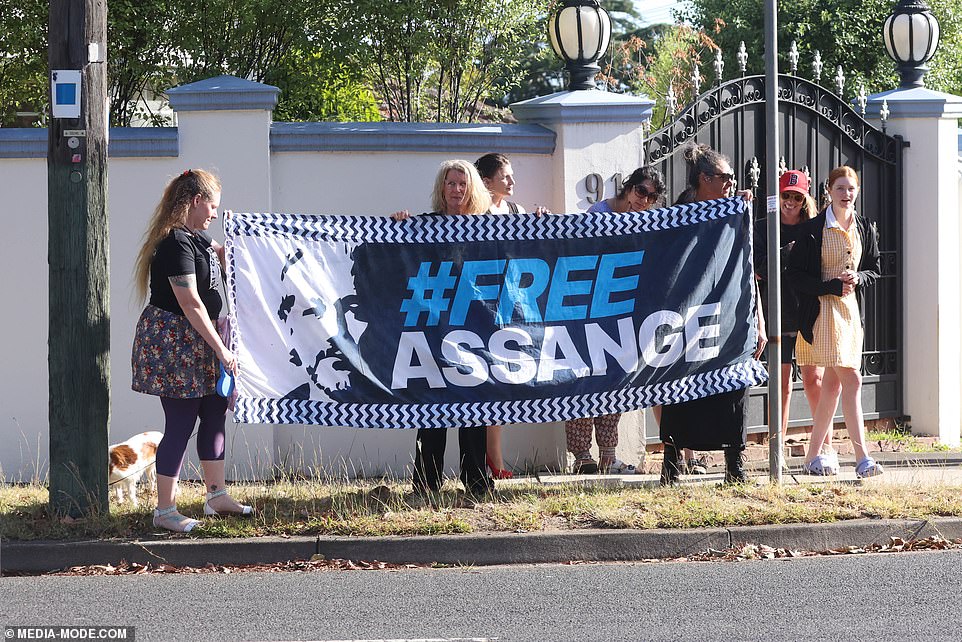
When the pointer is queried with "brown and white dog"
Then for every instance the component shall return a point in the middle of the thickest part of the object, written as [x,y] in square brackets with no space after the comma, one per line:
[130,460]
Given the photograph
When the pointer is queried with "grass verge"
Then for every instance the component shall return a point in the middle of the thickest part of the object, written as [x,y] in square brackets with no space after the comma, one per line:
[377,508]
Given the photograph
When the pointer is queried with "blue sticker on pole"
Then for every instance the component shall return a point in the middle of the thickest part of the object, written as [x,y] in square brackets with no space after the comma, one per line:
[65,93]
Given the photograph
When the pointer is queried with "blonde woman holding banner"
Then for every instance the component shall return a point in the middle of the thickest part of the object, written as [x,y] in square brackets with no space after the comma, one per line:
[458,191]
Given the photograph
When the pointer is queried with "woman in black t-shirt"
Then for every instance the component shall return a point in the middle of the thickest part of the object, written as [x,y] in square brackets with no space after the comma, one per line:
[177,346]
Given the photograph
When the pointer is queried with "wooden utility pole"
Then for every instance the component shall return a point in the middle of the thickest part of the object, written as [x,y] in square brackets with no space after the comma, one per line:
[79,342]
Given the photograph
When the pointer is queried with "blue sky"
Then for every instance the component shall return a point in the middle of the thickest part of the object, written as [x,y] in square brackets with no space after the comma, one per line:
[656,10]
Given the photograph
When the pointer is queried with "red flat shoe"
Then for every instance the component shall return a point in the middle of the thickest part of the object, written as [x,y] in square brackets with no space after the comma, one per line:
[498,473]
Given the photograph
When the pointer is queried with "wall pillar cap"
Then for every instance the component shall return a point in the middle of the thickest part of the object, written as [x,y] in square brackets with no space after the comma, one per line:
[223,93]
[917,102]
[584,106]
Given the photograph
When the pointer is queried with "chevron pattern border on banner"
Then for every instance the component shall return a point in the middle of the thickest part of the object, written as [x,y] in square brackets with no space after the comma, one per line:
[461,229]
[325,413]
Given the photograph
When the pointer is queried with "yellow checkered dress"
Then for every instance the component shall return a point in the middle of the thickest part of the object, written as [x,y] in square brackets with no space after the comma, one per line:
[838,330]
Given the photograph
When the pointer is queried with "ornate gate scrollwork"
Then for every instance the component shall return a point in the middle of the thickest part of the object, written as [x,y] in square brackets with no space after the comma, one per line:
[818,130]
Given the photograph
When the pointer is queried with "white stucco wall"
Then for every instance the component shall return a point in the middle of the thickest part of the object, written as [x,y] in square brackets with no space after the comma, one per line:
[236,145]
[23,322]
[932,340]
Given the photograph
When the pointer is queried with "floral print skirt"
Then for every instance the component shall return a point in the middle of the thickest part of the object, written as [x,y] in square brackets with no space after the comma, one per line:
[170,358]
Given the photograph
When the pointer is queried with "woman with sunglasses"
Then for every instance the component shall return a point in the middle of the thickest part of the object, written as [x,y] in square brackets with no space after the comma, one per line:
[643,189]
[796,207]
[716,422]
[834,259]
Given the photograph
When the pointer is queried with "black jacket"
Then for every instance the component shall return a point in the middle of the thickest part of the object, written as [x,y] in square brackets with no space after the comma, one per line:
[804,271]
[789,234]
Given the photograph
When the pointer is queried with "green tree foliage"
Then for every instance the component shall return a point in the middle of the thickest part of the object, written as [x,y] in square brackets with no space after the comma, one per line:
[302,46]
[140,42]
[313,88]
[847,33]
[440,59]
[946,65]
[539,73]
[664,59]
[23,58]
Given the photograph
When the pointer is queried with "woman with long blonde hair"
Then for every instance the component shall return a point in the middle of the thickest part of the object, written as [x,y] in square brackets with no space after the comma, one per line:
[177,347]
[458,190]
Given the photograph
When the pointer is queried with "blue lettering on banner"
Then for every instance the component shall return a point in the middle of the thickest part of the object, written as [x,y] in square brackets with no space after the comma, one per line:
[424,284]
[430,285]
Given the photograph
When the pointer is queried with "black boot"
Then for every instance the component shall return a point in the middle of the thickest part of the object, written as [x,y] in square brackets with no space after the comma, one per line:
[735,466]
[670,466]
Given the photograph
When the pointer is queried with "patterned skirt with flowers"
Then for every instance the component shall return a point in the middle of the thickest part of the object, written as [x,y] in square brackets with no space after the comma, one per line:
[170,358]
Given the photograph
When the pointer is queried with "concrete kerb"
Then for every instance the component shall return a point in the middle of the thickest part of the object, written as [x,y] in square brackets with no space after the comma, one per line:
[476,549]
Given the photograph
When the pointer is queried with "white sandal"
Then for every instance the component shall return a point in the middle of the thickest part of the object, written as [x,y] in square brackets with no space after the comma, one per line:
[618,467]
[244,511]
[868,467]
[168,518]
[819,466]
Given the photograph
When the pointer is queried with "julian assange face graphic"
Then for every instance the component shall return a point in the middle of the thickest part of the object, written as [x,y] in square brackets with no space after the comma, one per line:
[319,315]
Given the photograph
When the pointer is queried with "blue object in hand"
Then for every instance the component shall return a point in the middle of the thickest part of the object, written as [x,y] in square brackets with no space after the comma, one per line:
[225,384]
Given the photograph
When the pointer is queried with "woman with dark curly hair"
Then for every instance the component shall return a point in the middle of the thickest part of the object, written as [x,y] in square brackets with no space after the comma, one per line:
[644,189]
[716,422]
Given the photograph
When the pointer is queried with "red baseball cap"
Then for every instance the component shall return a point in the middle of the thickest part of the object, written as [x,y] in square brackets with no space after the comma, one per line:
[793,181]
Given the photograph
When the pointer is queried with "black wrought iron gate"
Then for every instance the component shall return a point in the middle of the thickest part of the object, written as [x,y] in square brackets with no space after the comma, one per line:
[818,131]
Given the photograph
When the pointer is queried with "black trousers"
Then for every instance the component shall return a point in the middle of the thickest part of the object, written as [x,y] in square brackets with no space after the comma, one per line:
[429,459]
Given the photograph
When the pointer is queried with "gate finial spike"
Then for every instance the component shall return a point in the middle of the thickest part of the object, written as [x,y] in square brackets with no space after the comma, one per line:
[695,80]
[883,113]
[754,173]
[742,56]
[782,165]
[817,66]
[862,98]
[719,66]
[671,101]
[793,57]
[840,80]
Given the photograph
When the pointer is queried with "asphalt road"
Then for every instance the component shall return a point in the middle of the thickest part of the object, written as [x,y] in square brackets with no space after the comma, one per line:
[905,596]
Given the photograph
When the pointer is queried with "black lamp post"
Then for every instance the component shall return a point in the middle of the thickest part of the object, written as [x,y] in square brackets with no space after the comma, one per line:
[579,34]
[911,36]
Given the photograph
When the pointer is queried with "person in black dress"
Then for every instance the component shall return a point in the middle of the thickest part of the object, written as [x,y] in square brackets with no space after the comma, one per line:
[716,422]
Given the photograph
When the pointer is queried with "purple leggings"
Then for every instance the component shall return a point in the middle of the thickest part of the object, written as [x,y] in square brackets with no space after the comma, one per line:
[181,417]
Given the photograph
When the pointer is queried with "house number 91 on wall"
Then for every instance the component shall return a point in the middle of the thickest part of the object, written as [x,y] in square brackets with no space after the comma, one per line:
[595,186]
